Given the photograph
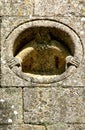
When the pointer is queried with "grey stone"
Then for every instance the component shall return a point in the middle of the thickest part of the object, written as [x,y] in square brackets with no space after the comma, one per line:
[16,8]
[42,8]
[34,127]
[3,127]
[57,126]
[50,105]
[6,112]
[59,8]
[6,72]
[6,8]
[63,126]
[22,127]
[10,105]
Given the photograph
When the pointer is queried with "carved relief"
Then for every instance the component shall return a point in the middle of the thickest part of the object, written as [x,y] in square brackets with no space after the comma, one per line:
[43,55]
[70,60]
[44,50]
[14,62]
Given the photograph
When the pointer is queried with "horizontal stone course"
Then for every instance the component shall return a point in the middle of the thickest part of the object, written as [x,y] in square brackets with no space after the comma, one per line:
[63,126]
[22,127]
[57,126]
[42,8]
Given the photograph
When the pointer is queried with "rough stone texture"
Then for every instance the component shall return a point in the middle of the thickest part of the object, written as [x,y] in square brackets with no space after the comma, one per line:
[63,126]
[38,57]
[22,127]
[59,7]
[10,106]
[60,106]
[34,127]
[42,8]
[16,7]
[50,105]
[57,126]
[70,81]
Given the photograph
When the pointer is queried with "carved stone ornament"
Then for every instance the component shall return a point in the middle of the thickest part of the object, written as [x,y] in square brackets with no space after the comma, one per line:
[43,51]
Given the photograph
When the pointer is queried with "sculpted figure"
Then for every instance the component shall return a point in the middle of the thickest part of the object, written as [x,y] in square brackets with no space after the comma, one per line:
[44,55]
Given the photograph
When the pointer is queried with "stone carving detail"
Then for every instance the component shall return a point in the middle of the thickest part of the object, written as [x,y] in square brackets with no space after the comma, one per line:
[15,65]
[70,60]
[44,52]
[13,62]
[43,55]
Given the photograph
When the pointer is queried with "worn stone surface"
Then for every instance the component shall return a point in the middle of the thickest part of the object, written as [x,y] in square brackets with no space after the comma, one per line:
[54,104]
[60,106]
[42,8]
[34,127]
[70,81]
[63,126]
[43,55]
[10,105]
[16,7]
[60,8]
[22,127]
[57,126]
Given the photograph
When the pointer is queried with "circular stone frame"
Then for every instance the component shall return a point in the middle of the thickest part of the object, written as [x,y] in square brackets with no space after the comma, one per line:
[15,65]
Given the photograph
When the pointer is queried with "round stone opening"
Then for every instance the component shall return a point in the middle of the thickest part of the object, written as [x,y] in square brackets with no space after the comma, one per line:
[42,50]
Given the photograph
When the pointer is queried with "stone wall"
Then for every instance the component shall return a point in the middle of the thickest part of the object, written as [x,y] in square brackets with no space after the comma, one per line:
[49,102]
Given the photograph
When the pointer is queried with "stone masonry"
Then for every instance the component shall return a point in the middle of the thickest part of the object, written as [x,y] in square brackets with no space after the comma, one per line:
[42,64]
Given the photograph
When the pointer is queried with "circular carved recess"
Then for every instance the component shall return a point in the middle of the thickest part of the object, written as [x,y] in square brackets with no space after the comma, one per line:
[44,54]
[45,51]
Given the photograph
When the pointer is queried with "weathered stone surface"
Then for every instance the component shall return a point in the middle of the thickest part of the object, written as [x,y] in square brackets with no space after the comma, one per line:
[43,55]
[61,106]
[22,127]
[63,126]
[54,104]
[10,105]
[42,8]
[3,127]
[6,8]
[57,126]
[71,81]
[60,8]
[34,127]
[22,7]
[1,6]
[16,7]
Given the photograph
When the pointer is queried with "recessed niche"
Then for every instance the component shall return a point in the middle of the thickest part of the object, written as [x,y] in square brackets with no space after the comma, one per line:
[46,50]
[43,50]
